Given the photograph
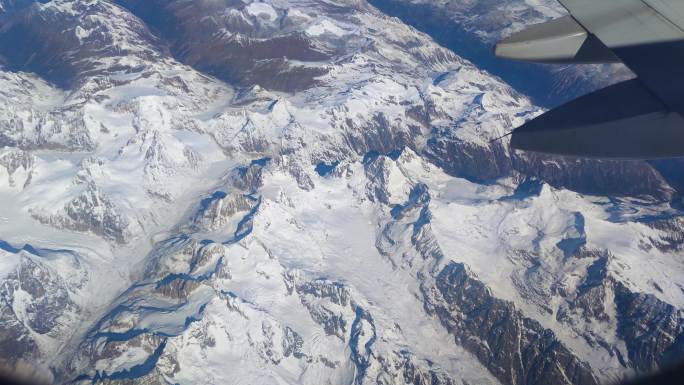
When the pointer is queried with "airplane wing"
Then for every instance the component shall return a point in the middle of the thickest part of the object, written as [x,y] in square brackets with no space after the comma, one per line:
[636,119]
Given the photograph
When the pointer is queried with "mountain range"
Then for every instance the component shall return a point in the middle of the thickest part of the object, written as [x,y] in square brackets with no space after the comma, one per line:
[315,192]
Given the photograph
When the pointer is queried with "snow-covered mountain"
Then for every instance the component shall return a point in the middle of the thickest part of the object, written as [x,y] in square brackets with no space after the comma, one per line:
[471,28]
[296,191]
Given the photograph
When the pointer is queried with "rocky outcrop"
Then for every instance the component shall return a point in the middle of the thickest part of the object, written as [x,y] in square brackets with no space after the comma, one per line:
[331,317]
[92,211]
[516,349]
[55,130]
[217,210]
[35,306]
[591,296]
[597,177]
[14,160]
[404,368]
[242,48]
[672,234]
[652,329]
[485,163]
[59,40]
[465,159]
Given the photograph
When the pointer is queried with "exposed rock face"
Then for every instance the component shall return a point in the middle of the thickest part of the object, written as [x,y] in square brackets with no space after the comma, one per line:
[19,165]
[37,121]
[37,306]
[464,159]
[623,178]
[92,211]
[217,210]
[652,329]
[500,336]
[243,46]
[517,349]
[410,372]
[672,230]
[333,321]
[485,163]
[296,191]
[58,39]
[591,297]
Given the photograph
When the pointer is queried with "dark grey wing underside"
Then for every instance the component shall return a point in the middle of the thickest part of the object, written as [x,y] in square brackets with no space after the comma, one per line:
[622,121]
[637,119]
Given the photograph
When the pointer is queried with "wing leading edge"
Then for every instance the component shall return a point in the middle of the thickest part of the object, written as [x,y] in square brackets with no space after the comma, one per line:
[637,119]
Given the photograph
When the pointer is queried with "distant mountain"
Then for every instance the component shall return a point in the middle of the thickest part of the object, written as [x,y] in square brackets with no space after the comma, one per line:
[471,28]
[308,192]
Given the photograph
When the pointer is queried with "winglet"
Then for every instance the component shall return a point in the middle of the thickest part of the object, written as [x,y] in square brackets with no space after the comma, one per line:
[561,40]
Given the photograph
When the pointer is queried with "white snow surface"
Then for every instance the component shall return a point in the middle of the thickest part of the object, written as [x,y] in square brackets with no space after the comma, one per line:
[326,26]
[260,9]
[117,170]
